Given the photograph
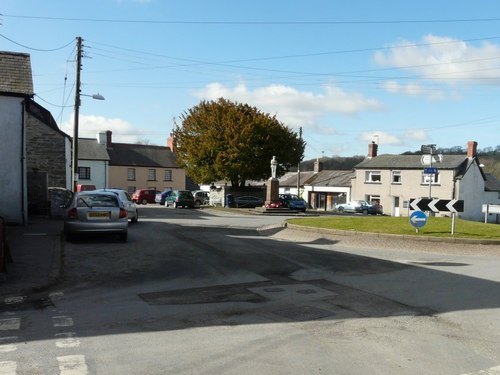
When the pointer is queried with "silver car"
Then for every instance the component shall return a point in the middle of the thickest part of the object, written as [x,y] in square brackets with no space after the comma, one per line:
[130,206]
[95,212]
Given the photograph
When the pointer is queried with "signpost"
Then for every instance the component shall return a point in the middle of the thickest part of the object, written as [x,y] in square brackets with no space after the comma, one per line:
[418,219]
[438,205]
[430,170]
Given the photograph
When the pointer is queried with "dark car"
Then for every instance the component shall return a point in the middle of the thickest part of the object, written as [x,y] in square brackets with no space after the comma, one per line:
[293,202]
[160,197]
[248,202]
[144,196]
[180,198]
[363,207]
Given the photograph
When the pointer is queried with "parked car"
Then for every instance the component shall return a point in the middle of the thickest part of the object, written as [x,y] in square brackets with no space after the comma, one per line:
[160,197]
[130,206]
[293,202]
[276,204]
[248,202]
[180,198]
[96,213]
[201,198]
[358,206]
[144,196]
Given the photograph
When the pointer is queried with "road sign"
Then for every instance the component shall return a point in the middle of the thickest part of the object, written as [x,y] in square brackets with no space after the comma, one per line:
[429,170]
[437,205]
[418,219]
[431,159]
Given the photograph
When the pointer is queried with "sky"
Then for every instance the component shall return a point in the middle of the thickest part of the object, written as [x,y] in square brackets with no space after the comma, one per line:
[348,72]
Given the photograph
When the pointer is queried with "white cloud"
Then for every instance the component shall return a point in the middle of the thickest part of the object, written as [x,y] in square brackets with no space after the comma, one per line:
[382,138]
[413,89]
[415,135]
[89,126]
[445,60]
[291,106]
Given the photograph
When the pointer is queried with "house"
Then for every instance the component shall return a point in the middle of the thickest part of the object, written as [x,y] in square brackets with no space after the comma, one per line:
[93,161]
[48,153]
[321,189]
[392,180]
[138,166]
[16,88]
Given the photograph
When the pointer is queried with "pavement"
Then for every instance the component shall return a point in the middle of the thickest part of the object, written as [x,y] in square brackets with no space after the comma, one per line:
[36,255]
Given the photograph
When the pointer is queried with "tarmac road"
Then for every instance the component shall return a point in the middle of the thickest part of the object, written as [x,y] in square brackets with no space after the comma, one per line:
[204,292]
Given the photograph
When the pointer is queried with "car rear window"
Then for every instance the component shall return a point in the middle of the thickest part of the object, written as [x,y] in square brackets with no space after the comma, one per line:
[97,200]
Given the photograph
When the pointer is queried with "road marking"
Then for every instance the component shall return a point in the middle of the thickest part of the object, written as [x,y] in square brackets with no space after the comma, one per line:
[489,371]
[10,324]
[62,321]
[72,365]
[14,300]
[8,368]
[8,344]
[56,295]
[67,340]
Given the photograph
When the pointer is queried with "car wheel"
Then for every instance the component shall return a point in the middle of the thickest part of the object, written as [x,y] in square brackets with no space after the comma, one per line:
[144,201]
[123,237]
[197,203]
[340,209]
[365,212]
[135,218]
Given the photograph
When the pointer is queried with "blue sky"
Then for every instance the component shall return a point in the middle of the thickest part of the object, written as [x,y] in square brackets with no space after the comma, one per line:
[348,72]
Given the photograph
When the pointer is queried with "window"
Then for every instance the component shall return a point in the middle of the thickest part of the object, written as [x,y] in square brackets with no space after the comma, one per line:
[396,177]
[372,176]
[131,189]
[84,173]
[151,174]
[430,178]
[168,175]
[131,174]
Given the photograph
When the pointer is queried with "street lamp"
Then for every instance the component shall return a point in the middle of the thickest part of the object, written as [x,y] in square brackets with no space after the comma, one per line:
[75,130]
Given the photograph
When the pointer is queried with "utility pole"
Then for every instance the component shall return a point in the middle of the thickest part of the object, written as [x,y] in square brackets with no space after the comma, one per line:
[298,167]
[77,112]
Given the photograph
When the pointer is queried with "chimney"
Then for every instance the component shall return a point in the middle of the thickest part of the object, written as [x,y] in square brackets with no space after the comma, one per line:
[109,142]
[101,138]
[318,166]
[471,149]
[170,142]
[372,150]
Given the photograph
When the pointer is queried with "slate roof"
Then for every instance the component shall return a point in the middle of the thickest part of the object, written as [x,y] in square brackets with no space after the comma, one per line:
[290,178]
[138,155]
[411,162]
[491,183]
[15,73]
[43,115]
[90,149]
[335,178]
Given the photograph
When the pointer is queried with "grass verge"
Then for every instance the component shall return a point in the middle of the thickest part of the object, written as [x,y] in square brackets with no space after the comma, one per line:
[435,227]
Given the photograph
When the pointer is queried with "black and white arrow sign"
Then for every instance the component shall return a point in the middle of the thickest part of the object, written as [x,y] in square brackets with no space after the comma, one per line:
[437,205]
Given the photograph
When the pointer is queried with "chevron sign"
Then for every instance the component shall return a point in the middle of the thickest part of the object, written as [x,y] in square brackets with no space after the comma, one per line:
[437,205]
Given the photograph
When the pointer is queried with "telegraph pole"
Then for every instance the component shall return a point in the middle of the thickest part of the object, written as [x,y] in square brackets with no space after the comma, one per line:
[77,112]
[298,167]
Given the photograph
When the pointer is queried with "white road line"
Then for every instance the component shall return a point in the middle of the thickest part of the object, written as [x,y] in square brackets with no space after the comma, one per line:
[72,365]
[14,300]
[489,371]
[8,368]
[10,324]
[67,340]
[8,344]
[56,295]
[62,321]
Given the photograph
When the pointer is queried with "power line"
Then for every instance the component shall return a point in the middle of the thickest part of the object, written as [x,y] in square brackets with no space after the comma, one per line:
[256,23]
[36,49]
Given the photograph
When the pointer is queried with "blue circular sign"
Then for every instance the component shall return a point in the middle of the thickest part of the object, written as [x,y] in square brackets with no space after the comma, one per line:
[418,219]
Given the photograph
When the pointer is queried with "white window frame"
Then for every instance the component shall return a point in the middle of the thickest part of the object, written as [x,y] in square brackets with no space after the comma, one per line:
[151,174]
[396,175]
[130,174]
[433,178]
[371,177]
[168,175]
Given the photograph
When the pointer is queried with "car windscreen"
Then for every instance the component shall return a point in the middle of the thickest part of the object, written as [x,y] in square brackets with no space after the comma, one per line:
[97,200]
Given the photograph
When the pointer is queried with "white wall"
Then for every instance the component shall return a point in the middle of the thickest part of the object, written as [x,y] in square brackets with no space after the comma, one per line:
[98,173]
[13,166]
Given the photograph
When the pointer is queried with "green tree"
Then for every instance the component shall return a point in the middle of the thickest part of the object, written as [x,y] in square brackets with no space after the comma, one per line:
[223,140]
